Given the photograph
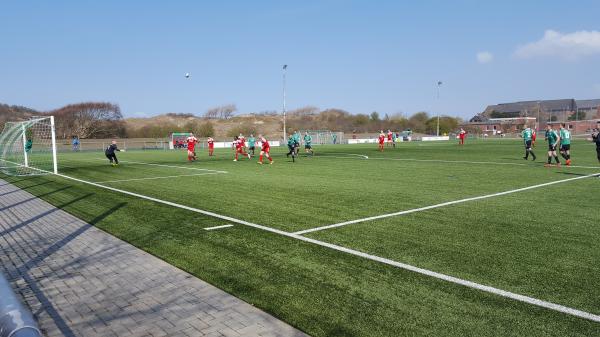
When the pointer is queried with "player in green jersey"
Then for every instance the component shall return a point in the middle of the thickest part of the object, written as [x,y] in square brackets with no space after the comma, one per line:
[308,144]
[552,138]
[527,135]
[296,142]
[291,143]
[251,144]
[565,143]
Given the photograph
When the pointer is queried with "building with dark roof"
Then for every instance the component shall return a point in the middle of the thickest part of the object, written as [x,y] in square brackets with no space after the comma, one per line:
[587,108]
[544,110]
[512,117]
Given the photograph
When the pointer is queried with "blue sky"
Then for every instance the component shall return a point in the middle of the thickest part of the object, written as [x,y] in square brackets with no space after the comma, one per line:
[361,56]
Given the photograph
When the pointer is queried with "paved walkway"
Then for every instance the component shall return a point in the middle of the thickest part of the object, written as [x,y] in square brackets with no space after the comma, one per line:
[81,281]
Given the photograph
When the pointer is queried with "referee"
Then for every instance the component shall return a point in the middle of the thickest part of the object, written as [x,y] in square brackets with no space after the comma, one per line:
[110,153]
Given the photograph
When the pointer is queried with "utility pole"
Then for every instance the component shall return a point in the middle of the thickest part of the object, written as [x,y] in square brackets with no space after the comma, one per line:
[284,127]
[439,84]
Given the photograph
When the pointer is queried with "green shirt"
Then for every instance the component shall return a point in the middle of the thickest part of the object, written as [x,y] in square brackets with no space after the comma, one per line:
[565,137]
[291,141]
[296,137]
[527,133]
[551,136]
[251,141]
[307,139]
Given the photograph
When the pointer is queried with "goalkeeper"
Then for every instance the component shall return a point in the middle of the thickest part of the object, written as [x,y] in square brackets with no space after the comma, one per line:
[110,153]
[596,139]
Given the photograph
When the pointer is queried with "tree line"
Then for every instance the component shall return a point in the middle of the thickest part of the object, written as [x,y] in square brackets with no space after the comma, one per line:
[105,120]
[310,118]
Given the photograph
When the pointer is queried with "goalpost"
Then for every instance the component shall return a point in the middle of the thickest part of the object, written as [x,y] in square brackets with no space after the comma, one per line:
[28,147]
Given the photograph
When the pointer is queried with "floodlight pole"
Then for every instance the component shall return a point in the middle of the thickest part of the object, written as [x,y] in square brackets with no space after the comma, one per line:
[439,83]
[538,119]
[284,127]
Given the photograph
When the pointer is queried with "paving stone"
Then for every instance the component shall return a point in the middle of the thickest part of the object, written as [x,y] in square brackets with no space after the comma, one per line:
[81,281]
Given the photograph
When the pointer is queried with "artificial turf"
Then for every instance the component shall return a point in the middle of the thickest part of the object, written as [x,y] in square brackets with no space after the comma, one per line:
[542,243]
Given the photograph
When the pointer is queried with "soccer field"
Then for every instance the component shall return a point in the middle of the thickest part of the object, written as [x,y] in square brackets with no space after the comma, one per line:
[421,239]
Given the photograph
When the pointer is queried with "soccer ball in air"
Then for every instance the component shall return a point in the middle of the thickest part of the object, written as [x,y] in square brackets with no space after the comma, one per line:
[187,75]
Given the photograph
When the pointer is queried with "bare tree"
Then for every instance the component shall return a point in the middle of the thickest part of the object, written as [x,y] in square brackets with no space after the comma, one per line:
[228,110]
[212,113]
[304,111]
[89,119]
[222,112]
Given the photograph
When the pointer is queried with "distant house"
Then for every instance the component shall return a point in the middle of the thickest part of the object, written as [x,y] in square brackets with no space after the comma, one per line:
[496,126]
[531,108]
[587,109]
[512,117]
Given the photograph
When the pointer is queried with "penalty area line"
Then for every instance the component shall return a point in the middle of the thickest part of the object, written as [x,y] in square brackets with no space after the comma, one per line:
[154,178]
[339,155]
[420,209]
[472,162]
[165,165]
[426,272]
[217,227]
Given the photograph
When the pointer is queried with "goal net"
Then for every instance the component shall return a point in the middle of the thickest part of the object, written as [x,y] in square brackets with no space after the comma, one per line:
[178,140]
[28,147]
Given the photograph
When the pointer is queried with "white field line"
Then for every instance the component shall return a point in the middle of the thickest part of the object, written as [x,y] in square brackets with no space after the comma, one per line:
[346,155]
[420,209]
[154,178]
[452,279]
[217,227]
[170,166]
[442,161]
[473,162]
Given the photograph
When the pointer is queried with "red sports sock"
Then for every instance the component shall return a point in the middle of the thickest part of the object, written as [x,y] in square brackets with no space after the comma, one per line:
[260,158]
[270,159]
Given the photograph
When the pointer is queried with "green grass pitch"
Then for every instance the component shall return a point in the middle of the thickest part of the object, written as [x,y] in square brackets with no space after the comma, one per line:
[543,243]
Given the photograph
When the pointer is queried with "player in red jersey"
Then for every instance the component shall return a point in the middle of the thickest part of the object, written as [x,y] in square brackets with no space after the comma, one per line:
[381,140]
[533,137]
[211,146]
[461,136]
[243,140]
[264,150]
[239,148]
[389,137]
[191,146]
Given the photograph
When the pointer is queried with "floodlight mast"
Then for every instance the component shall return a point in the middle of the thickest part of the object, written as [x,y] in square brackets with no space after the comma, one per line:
[439,84]
[284,127]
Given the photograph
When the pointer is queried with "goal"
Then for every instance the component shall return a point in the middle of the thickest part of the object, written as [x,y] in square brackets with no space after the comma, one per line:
[178,140]
[28,147]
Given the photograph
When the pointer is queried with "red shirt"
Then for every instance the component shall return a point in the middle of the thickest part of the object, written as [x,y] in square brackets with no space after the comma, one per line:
[211,142]
[381,138]
[238,144]
[191,143]
[265,145]
[389,135]
[462,134]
